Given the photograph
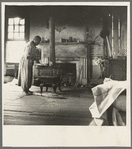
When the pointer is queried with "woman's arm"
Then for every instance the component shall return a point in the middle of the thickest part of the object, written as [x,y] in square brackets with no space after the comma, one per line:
[31,53]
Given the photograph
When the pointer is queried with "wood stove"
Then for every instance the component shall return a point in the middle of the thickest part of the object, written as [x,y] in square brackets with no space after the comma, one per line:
[47,76]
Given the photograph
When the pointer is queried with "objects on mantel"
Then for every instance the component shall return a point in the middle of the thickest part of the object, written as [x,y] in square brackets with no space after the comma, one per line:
[66,43]
[44,40]
[71,39]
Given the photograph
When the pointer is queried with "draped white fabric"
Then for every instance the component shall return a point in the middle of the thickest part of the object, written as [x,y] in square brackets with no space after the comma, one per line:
[104,95]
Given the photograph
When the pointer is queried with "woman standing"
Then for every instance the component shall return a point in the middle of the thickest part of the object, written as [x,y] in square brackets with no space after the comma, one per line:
[26,63]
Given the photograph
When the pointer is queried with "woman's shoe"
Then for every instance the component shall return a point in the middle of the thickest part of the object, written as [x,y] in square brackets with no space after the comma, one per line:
[30,91]
[25,93]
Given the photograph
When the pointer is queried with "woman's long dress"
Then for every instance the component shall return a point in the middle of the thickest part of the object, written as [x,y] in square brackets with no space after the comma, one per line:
[25,67]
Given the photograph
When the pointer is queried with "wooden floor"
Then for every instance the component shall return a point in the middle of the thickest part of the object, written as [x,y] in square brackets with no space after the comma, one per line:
[69,107]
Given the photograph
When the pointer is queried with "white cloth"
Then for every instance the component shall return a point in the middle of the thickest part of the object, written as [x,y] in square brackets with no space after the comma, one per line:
[104,95]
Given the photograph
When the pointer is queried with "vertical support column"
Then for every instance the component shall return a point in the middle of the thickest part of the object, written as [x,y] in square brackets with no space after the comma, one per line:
[52,39]
[112,42]
[115,38]
[5,41]
[88,63]
[84,65]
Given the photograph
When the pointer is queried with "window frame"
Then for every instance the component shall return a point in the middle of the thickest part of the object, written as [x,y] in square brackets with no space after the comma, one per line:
[16,39]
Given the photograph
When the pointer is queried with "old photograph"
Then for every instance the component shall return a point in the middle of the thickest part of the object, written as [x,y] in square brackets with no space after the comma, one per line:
[66,65]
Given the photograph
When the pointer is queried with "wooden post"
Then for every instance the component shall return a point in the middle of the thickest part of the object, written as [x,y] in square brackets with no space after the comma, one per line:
[5,42]
[52,39]
[88,63]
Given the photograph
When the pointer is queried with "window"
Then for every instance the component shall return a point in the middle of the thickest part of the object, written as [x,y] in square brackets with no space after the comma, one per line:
[16,28]
[16,39]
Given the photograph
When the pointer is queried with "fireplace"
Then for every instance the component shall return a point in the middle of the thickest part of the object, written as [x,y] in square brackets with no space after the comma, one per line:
[69,73]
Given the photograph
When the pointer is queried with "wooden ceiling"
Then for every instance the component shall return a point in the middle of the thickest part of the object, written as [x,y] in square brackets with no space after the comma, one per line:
[69,12]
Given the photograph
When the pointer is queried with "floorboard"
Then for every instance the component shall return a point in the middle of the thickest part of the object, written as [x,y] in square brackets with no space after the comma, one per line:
[70,107]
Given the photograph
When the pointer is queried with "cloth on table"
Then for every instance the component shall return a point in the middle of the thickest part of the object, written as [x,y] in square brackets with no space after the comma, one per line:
[104,96]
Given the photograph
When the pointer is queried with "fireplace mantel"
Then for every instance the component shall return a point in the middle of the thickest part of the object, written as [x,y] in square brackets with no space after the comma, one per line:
[64,50]
[66,43]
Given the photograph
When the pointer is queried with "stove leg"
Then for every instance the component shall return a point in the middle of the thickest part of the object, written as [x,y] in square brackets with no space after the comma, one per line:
[54,87]
[41,87]
[46,89]
[59,87]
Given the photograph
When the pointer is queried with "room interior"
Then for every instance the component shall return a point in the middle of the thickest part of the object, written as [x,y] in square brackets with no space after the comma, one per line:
[85,44]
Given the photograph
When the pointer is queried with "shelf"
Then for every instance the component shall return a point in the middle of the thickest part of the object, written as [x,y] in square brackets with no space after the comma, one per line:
[46,77]
[66,43]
